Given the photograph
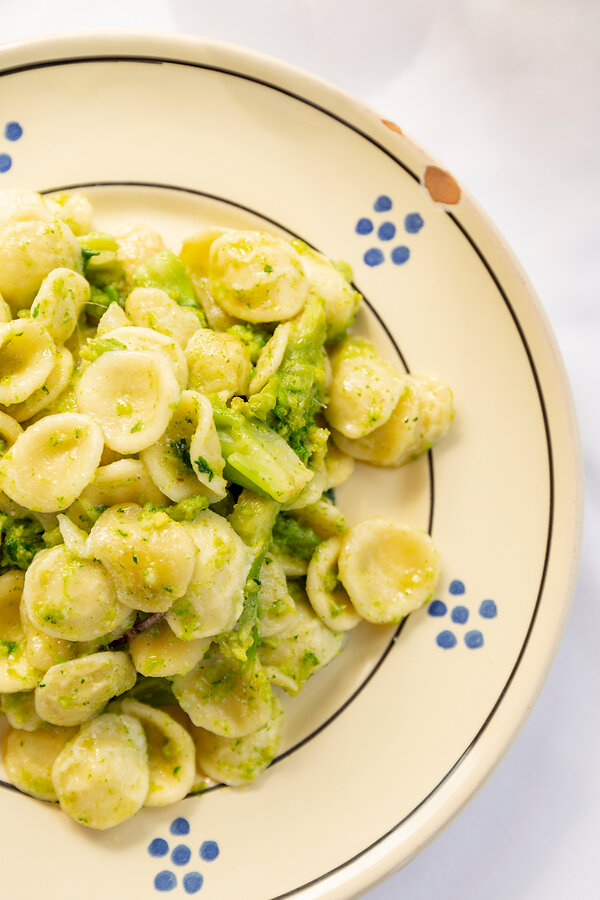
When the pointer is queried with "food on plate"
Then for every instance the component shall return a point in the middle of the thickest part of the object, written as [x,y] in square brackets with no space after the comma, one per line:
[172,431]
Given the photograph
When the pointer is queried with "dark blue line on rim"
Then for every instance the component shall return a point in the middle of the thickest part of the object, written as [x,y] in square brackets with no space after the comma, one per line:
[187,63]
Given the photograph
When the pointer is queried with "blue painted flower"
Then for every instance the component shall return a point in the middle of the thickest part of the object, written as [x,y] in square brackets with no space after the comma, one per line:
[460,615]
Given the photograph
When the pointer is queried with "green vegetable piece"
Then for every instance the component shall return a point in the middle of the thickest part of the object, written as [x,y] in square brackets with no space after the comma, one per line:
[257,458]
[187,510]
[101,265]
[21,540]
[253,336]
[101,298]
[166,271]
[291,538]
[253,518]
[153,691]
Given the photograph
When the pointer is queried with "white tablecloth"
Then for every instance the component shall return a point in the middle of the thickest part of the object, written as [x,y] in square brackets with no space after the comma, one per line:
[507,94]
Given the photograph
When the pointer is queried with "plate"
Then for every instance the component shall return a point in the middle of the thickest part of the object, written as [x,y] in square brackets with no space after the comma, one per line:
[385,746]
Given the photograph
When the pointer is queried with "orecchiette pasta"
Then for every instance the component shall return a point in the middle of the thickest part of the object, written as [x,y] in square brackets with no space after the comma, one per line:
[59,302]
[130,396]
[219,364]
[75,691]
[102,777]
[223,698]
[49,465]
[171,433]
[388,569]
[257,277]
[239,760]
[70,598]
[215,594]
[27,356]
[30,756]
[149,557]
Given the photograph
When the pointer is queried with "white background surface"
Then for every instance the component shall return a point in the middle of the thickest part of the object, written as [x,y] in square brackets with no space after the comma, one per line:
[507,94]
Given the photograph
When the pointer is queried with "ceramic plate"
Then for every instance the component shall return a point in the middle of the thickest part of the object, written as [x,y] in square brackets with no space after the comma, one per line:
[385,746]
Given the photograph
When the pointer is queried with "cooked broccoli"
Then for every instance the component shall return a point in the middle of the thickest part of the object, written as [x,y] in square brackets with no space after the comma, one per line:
[101,298]
[293,396]
[166,271]
[258,458]
[95,347]
[101,265]
[187,510]
[253,336]
[21,540]
[291,538]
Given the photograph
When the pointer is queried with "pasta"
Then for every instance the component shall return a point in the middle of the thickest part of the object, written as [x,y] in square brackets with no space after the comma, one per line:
[173,560]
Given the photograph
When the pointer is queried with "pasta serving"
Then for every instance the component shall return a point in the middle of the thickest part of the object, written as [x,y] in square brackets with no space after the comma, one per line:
[172,430]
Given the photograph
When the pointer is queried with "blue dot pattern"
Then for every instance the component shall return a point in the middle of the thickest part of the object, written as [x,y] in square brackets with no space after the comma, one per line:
[5,162]
[165,881]
[459,614]
[474,639]
[488,609]
[364,226]
[413,223]
[386,231]
[181,855]
[437,608]
[158,847]
[13,131]
[456,587]
[446,640]
[192,882]
[383,203]
[373,257]
[209,850]
[180,826]
[400,255]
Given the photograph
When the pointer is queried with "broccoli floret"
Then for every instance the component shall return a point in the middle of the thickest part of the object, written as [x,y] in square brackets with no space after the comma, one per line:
[101,265]
[293,396]
[253,336]
[21,540]
[101,298]
[258,458]
[166,271]
[291,538]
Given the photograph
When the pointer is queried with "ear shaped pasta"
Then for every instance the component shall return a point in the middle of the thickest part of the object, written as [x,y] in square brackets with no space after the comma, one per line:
[215,595]
[59,302]
[122,481]
[224,696]
[134,338]
[153,308]
[49,465]
[70,598]
[102,778]
[327,281]
[19,709]
[171,754]
[33,241]
[75,691]
[113,318]
[388,444]
[9,429]
[130,395]
[305,646]
[388,569]
[187,460]
[42,650]
[327,596]
[237,761]
[150,557]
[271,357]
[75,210]
[158,653]
[257,277]
[16,671]
[136,244]
[339,466]
[27,356]
[49,392]
[195,250]
[364,391]
[29,757]
[311,492]
[5,313]
[436,411]
[325,519]
[276,604]
[218,363]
